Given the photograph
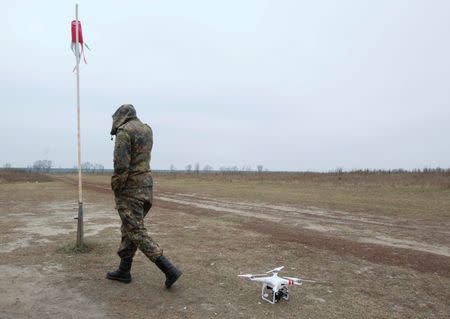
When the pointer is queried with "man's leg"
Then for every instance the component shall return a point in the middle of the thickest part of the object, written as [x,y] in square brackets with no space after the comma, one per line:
[126,252]
[127,248]
[152,250]
[138,237]
[132,212]
[171,272]
[134,233]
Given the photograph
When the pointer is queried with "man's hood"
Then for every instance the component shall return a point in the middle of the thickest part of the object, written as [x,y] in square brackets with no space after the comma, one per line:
[123,114]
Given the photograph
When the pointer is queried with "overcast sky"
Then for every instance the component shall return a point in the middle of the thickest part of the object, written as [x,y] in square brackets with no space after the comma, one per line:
[289,84]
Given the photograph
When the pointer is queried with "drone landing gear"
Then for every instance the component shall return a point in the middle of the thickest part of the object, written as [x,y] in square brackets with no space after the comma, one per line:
[267,291]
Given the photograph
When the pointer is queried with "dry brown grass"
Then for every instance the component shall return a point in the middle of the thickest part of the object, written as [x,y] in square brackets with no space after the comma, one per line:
[423,195]
[440,179]
[14,175]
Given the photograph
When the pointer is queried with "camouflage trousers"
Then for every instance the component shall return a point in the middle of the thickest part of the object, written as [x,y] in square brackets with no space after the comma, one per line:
[133,205]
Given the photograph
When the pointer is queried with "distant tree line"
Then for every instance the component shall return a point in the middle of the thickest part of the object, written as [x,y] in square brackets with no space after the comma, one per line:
[426,170]
[45,166]
[97,168]
[196,169]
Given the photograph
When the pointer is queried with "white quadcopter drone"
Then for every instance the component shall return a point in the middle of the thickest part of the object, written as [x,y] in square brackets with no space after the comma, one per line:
[276,286]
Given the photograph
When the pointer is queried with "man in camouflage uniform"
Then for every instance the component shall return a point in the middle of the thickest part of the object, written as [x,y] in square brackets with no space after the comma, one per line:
[132,184]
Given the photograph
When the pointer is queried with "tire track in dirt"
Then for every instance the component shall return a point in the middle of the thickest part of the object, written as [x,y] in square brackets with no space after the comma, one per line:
[342,217]
[337,217]
[381,254]
[357,227]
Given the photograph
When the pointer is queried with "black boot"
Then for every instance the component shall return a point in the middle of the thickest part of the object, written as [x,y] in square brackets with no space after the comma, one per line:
[123,273]
[171,272]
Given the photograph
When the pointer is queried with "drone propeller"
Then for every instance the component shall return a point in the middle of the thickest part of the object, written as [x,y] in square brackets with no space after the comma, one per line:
[250,275]
[298,280]
[275,270]
[246,276]
[306,280]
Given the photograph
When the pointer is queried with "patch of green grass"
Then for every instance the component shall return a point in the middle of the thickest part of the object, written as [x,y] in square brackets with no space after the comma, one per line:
[72,248]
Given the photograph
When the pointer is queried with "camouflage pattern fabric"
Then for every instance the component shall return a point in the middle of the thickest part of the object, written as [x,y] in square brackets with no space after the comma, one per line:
[133,205]
[132,182]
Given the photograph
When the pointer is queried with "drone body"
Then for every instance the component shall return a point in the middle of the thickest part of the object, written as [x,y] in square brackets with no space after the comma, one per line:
[274,288]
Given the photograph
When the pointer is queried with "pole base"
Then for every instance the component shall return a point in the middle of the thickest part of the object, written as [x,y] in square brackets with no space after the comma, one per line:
[80,239]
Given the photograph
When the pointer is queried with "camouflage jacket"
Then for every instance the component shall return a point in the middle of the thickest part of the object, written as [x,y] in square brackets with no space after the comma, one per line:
[134,141]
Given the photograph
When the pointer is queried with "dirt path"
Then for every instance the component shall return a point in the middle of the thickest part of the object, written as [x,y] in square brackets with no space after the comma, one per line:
[363,228]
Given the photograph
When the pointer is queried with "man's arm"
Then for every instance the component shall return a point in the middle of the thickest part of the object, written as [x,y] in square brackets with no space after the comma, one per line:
[122,157]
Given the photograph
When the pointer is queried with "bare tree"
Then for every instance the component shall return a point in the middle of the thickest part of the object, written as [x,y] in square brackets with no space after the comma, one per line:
[260,168]
[207,168]
[172,168]
[188,168]
[94,168]
[229,169]
[197,168]
[42,165]
[98,168]
[7,165]
[86,167]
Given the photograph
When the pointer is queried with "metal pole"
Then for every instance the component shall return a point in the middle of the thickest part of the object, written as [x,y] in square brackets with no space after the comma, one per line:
[80,189]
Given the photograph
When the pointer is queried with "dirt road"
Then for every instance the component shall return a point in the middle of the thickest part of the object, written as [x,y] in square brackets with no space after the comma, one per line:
[364,228]
[369,266]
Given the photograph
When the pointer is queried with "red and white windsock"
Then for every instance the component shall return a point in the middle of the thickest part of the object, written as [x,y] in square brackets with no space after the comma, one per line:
[81,43]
